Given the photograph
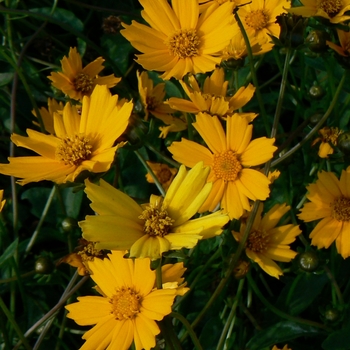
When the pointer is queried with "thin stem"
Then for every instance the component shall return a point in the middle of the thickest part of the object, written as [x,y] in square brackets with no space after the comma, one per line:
[165,158]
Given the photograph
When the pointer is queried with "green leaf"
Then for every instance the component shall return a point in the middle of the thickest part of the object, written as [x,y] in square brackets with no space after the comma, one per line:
[338,340]
[9,252]
[5,78]
[281,332]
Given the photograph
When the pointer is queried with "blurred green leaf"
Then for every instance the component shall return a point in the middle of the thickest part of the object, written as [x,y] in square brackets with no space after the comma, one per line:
[9,252]
[5,78]
[338,340]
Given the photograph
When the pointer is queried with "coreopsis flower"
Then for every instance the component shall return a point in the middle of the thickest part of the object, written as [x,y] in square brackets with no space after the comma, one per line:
[268,242]
[259,17]
[154,228]
[329,201]
[2,202]
[329,139]
[172,278]
[284,348]
[230,158]
[344,40]
[175,125]
[179,40]
[128,306]
[48,113]
[212,97]
[76,81]
[163,172]
[333,10]
[81,142]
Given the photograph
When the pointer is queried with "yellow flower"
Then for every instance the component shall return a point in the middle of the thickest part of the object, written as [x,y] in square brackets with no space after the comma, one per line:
[344,40]
[76,81]
[154,228]
[163,172]
[267,243]
[175,125]
[333,10]
[172,278]
[329,139]
[284,348]
[128,306]
[212,97]
[81,142]
[179,41]
[330,202]
[2,202]
[259,17]
[230,158]
[48,113]
[204,4]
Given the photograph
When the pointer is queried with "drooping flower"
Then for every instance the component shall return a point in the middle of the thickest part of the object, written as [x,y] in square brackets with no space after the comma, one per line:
[329,139]
[163,172]
[161,225]
[259,17]
[179,40]
[329,201]
[81,142]
[212,97]
[268,242]
[230,158]
[333,10]
[344,40]
[2,202]
[128,306]
[76,81]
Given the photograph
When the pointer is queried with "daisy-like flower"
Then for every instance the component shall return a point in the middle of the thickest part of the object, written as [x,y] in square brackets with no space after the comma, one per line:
[2,202]
[76,81]
[128,306]
[163,172]
[179,41]
[81,142]
[344,40]
[329,201]
[259,17]
[154,228]
[329,139]
[333,10]
[267,243]
[230,158]
[212,97]
[47,114]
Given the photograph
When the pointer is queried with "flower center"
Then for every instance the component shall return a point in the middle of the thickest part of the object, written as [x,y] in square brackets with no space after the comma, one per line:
[83,83]
[73,149]
[330,134]
[88,251]
[331,7]
[126,303]
[257,241]
[184,43]
[257,19]
[157,221]
[164,175]
[152,103]
[341,209]
[226,166]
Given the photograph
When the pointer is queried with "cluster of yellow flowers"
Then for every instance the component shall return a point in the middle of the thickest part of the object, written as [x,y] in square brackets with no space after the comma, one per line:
[224,177]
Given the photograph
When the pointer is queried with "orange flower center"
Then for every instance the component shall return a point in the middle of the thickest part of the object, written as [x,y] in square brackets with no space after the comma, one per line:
[184,43]
[258,241]
[73,150]
[157,221]
[226,166]
[126,303]
[83,83]
[341,209]
[164,175]
[257,19]
[331,7]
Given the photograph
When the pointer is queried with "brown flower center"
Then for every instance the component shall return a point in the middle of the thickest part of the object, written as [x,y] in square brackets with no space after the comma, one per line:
[184,43]
[152,103]
[257,19]
[73,149]
[164,175]
[330,134]
[88,251]
[83,83]
[258,241]
[226,166]
[157,221]
[126,303]
[331,7]
[341,209]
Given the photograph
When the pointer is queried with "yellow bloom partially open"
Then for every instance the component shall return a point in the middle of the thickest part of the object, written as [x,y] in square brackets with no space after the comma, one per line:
[230,158]
[267,243]
[329,201]
[76,81]
[154,228]
[179,40]
[128,307]
[81,142]
[329,139]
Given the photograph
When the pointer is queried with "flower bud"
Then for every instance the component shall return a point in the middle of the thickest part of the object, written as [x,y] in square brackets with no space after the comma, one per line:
[292,30]
[68,224]
[308,261]
[316,92]
[344,142]
[44,265]
[316,41]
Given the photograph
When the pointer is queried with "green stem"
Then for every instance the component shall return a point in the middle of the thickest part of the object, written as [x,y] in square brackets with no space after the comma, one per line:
[162,156]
